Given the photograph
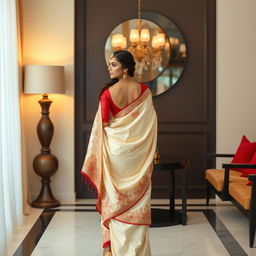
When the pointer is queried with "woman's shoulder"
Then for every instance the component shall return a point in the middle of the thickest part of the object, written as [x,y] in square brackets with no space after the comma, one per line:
[105,94]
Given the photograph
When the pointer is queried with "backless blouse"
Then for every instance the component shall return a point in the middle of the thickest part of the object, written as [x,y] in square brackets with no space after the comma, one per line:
[108,107]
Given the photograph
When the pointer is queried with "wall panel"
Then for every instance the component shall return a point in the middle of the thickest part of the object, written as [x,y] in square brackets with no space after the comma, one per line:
[186,113]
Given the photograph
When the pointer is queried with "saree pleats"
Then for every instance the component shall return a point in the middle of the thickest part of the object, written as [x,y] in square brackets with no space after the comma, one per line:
[119,164]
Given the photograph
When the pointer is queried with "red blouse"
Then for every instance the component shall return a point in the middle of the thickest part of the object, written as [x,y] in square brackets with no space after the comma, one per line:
[108,107]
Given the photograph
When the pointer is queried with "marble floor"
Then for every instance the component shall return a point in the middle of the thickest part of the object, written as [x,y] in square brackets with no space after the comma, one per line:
[73,229]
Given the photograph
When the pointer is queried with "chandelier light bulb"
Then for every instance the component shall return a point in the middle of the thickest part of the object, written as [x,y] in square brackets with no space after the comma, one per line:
[172,41]
[134,35]
[113,41]
[177,41]
[182,48]
[117,40]
[160,40]
[124,43]
[144,35]
[154,42]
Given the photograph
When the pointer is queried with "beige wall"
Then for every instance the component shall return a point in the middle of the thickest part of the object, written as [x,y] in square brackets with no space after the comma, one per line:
[48,39]
[236,73]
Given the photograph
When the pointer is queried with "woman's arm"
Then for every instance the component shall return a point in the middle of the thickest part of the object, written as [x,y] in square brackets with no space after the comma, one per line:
[105,109]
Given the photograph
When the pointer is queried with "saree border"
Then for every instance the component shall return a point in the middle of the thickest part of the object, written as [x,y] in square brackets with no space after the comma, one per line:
[120,213]
[106,221]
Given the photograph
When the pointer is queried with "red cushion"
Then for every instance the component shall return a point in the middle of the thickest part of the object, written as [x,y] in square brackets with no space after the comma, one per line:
[244,152]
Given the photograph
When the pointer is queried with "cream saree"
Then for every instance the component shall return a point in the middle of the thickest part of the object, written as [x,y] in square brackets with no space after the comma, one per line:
[119,164]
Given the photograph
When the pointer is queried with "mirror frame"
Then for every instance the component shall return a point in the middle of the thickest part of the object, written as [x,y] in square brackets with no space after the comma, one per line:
[161,22]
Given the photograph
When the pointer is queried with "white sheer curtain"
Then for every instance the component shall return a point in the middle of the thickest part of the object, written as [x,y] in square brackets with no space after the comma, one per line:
[11,205]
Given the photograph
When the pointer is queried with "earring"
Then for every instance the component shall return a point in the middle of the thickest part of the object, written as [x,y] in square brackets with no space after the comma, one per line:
[124,76]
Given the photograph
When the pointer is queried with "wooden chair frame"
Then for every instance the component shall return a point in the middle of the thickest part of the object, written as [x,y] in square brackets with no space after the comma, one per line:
[225,196]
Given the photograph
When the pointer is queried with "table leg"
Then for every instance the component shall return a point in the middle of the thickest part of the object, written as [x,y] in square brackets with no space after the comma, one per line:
[184,197]
[172,193]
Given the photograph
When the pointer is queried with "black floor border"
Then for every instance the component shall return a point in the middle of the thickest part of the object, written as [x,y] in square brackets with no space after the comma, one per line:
[227,239]
[35,233]
[32,238]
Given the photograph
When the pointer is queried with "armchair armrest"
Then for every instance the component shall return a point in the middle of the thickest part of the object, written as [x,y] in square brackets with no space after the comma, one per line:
[242,166]
[252,177]
[219,155]
[229,166]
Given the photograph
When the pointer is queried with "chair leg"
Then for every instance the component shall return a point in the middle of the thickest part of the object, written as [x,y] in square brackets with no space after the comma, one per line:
[252,219]
[252,215]
[252,228]
[208,192]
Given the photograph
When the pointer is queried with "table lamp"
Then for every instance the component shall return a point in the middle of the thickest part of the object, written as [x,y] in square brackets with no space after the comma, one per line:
[42,79]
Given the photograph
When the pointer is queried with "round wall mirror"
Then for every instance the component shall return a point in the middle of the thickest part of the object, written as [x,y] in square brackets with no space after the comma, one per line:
[159,50]
[150,48]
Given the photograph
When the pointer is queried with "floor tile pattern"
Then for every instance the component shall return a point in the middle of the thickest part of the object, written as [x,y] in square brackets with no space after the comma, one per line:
[73,229]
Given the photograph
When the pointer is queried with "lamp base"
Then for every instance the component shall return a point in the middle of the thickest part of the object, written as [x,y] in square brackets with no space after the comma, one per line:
[45,199]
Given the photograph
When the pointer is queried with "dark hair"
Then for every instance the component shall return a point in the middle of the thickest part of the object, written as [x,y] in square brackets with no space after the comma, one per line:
[127,61]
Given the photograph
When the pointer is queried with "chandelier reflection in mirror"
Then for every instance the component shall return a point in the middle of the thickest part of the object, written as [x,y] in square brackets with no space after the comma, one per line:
[148,44]
[146,56]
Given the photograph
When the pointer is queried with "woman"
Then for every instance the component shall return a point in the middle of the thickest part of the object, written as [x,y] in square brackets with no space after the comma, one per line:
[119,159]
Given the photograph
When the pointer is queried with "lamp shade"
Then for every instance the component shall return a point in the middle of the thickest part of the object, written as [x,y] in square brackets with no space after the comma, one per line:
[144,35]
[134,35]
[42,79]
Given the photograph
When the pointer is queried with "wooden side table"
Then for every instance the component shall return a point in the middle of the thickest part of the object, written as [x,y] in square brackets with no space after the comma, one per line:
[163,217]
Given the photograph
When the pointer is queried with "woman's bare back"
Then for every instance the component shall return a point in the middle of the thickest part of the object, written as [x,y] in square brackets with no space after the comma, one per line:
[123,94]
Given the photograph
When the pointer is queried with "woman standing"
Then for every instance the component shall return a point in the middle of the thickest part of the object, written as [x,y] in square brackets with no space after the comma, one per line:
[119,159]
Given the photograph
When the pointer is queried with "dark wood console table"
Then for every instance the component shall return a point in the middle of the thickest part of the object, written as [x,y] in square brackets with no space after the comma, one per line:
[163,217]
